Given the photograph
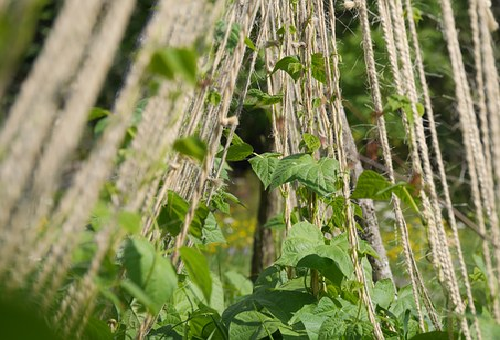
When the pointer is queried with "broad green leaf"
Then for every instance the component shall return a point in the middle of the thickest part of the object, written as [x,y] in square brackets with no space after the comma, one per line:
[302,240]
[341,258]
[171,217]
[129,221]
[264,166]
[252,325]
[171,61]
[191,146]
[320,176]
[238,152]
[271,277]
[404,302]
[257,97]
[203,324]
[370,185]
[211,232]
[198,271]
[318,67]
[149,272]
[291,65]
[383,293]
[375,186]
[217,296]
[332,328]
[218,202]
[240,283]
[310,142]
[313,316]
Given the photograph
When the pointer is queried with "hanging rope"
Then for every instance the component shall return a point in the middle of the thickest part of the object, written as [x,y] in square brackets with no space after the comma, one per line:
[377,100]
[474,156]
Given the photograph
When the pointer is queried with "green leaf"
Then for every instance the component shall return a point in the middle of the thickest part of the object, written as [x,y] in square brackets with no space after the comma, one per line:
[171,217]
[420,109]
[313,316]
[171,61]
[320,176]
[291,65]
[257,97]
[152,278]
[404,302]
[200,215]
[332,328]
[197,267]
[302,240]
[219,202]
[318,67]
[375,186]
[252,325]
[96,113]
[372,185]
[264,166]
[383,293]
[211,232]
[191,146]
[249,43]
[214,98]
[233,38]
[239,152]
[240,283]
[310,142]
[129,221]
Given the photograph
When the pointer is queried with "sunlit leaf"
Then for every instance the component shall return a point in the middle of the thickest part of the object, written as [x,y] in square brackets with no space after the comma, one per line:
[291,65]
[320,176]
[198,271]
[264,165]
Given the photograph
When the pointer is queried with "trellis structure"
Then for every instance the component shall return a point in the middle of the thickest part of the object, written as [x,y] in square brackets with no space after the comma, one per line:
[42,225]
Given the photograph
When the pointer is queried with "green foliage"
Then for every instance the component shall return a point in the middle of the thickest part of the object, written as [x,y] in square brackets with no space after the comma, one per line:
[310,142]
[233,37]
[197,268]
[252,325]
[375,186]
[129,221]
[398,102]
[191,146]
[318,67]
[238,150]
[249,43]
[150,277]
[258,98]
[170,62]
[264,166]
[319,176]
[171,217]
[291,65]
